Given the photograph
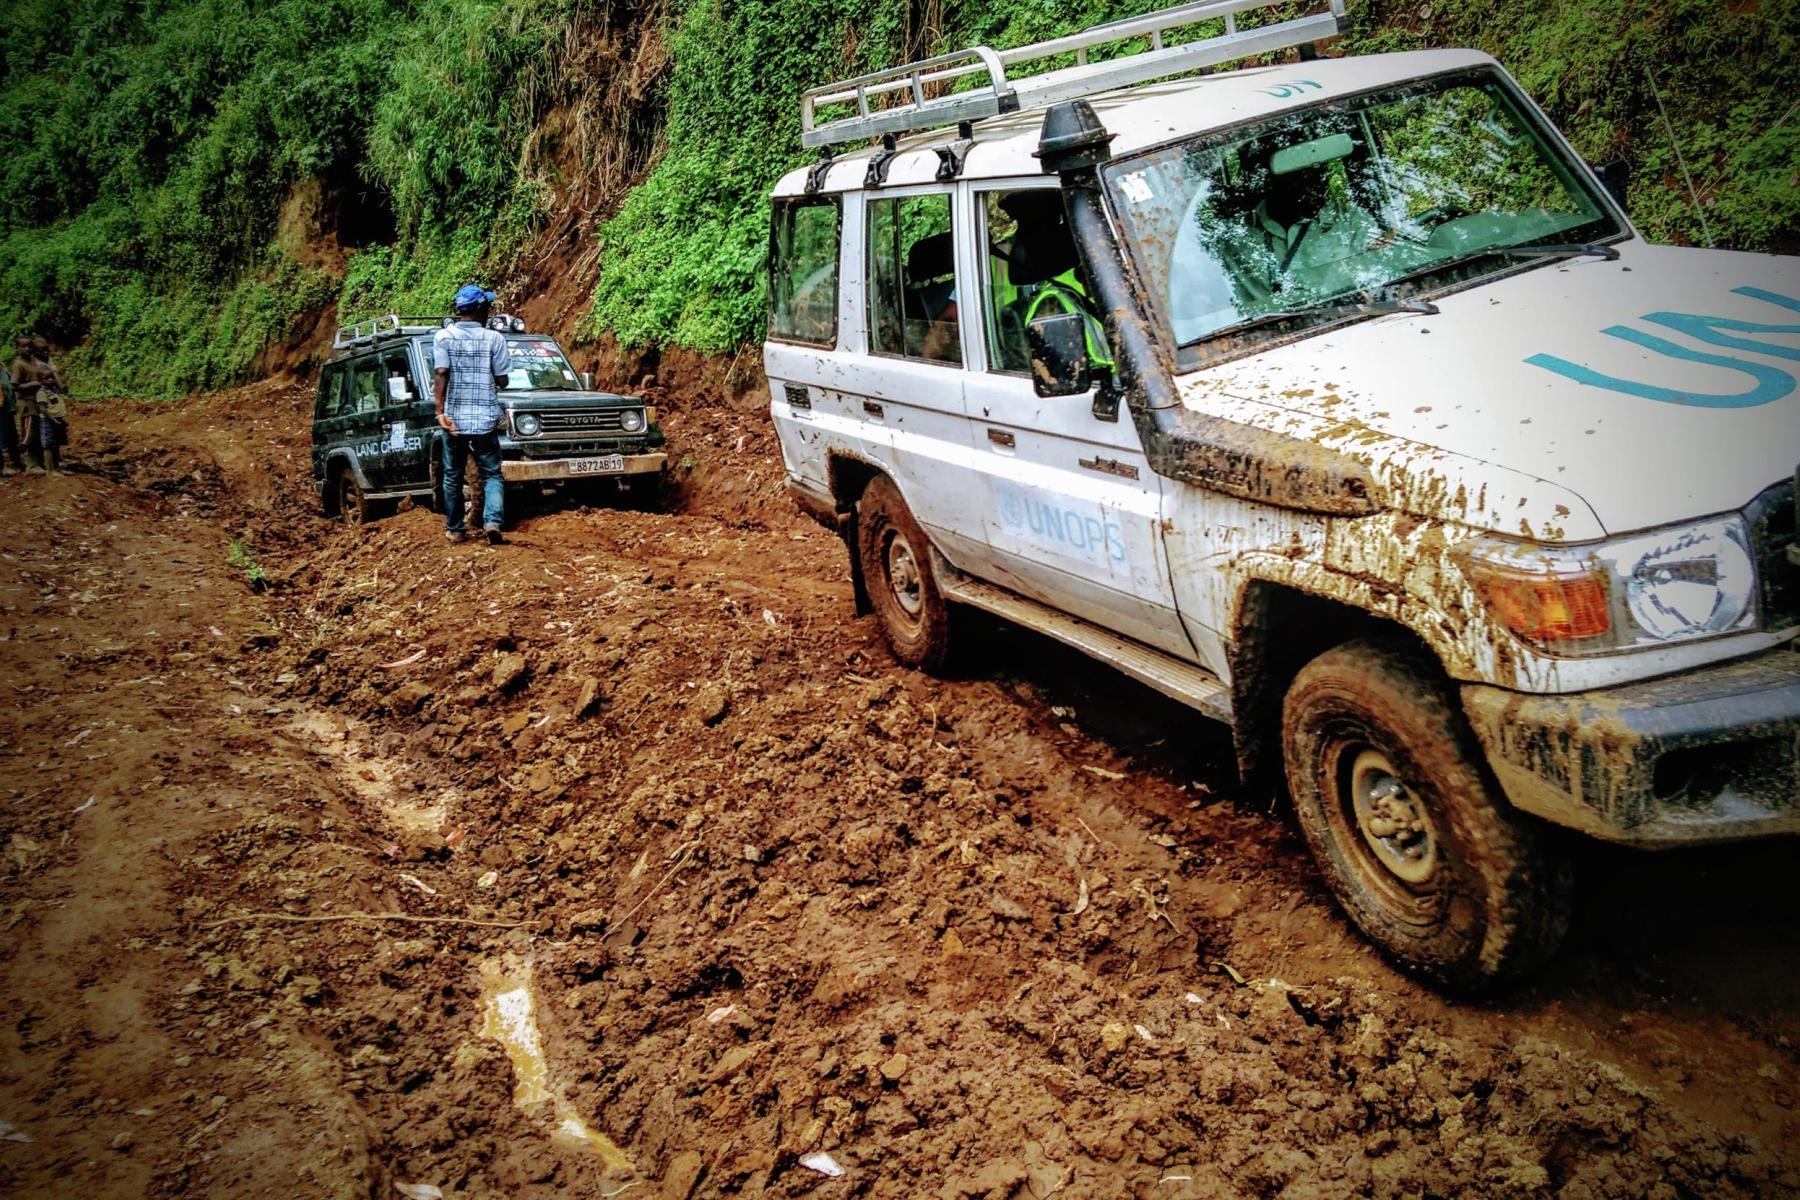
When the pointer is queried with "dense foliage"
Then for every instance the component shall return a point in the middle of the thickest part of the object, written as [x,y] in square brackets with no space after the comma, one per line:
[149,147]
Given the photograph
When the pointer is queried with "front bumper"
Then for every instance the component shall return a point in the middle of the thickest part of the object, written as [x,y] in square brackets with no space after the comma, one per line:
[546,469]
[1710,755]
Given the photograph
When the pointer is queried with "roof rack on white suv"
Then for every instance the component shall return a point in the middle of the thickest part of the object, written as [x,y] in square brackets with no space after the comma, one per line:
[363,333]
[914,110]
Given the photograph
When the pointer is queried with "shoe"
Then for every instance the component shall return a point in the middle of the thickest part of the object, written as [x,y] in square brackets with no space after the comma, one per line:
[34,470]
[494,536]
[9,470]
[455,537]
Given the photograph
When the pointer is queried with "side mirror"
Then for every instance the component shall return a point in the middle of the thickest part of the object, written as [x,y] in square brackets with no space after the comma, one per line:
[398,389]
[587,381]
[1615,177]
[1059,357]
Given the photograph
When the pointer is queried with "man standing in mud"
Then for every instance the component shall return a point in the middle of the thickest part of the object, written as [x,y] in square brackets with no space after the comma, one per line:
[470,363]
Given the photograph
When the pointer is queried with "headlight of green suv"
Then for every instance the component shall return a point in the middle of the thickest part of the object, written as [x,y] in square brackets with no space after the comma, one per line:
[632,420]
[1632,593]
[527,425]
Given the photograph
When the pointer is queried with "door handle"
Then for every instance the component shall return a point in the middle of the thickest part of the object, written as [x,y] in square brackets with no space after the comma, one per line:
[1002,438]
[872,408]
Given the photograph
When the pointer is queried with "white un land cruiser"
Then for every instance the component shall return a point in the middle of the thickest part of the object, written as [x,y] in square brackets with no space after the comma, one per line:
[1338,399]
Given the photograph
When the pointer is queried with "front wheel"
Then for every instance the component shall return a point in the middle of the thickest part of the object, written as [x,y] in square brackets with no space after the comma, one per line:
[896,564]
[1427,859]
[353,507]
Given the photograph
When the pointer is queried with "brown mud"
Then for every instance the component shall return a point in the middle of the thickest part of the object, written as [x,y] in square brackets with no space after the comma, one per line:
[659,840]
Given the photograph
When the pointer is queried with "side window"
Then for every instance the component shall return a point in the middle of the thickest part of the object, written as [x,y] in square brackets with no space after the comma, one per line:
[397,364]
[331,392]
[913,308]
[368,385]
[1031,270]
[803,271]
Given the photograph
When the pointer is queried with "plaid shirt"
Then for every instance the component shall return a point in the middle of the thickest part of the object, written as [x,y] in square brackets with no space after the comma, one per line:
[474,355]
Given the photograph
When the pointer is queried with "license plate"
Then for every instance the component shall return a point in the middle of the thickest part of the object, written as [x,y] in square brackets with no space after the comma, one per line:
[607,464]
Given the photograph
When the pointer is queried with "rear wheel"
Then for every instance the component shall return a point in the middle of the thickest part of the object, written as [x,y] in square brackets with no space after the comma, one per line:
[1407,829]
[896,565]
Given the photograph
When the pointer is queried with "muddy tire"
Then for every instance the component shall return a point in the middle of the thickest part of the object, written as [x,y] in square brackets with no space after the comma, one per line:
[896,565]
[1408,830]
[353,507]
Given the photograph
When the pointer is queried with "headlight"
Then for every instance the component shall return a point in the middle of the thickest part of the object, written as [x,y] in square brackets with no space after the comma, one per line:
[1672,585]
[1689,582]
[631,420]
[527,425]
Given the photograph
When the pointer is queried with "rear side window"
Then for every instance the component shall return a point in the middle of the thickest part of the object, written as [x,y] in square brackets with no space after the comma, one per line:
[331,391]
[912,279]
[803,271]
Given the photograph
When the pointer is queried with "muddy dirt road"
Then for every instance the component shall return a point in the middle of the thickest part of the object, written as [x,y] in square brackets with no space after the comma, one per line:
[621,860]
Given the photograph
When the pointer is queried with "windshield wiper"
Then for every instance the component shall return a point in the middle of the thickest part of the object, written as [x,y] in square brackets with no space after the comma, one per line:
[1361,308]
[1555,250]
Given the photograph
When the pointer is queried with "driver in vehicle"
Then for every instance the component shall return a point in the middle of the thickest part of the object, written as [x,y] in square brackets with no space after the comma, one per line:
[1304,235]
[1040,266]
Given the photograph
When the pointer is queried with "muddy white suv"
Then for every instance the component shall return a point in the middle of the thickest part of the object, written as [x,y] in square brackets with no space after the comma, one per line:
[1338,399]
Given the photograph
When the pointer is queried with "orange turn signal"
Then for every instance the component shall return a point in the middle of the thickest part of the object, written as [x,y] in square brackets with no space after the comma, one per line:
[1543,608]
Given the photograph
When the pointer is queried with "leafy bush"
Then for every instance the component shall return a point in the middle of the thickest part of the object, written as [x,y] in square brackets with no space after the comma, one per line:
[145,151]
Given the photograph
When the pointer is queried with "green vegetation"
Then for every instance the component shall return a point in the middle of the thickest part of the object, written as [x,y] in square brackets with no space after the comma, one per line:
[147,150]
[238,555]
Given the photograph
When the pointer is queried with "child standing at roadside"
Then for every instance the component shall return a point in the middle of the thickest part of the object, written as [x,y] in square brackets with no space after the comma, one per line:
[39,392]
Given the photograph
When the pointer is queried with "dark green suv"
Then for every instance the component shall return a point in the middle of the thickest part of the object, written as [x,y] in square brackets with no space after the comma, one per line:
[375,430]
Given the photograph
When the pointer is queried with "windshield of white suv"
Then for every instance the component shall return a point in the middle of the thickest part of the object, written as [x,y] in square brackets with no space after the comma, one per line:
[539,366]
[1376,198]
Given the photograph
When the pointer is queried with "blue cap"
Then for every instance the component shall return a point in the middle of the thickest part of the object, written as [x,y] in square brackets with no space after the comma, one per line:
[469,296]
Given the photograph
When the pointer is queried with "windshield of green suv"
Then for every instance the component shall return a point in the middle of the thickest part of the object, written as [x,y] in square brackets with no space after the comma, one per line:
[1378,197]
[539,366]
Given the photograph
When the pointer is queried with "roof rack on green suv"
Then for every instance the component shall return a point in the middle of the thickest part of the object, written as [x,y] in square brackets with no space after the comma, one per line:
[390,325]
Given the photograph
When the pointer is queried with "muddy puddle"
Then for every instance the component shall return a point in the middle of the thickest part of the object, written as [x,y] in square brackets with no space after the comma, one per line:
[509,1016]
[369,775]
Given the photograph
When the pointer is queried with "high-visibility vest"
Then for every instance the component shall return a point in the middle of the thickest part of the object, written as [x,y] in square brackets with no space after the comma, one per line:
[1070,298]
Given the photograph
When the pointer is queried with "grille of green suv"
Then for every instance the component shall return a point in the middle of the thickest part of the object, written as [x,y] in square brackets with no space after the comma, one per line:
[575,449]
[584,420]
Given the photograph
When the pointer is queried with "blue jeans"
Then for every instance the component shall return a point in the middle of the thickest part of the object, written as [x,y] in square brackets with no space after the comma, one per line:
[486,448]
